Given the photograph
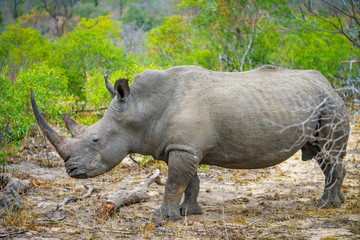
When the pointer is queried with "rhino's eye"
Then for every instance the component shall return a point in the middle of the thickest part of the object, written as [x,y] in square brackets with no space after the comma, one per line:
[95,139]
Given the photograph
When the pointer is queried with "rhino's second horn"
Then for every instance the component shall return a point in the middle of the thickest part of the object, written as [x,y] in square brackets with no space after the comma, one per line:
[74,127]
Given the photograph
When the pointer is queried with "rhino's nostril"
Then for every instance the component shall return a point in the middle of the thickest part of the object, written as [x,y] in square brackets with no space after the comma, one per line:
[72,172]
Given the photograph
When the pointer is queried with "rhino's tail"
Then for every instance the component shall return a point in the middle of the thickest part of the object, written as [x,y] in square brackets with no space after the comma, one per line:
[309,151]
[311,148]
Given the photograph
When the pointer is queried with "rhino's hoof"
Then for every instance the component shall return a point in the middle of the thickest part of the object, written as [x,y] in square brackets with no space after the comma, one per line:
[161,215]
[190,209]
[328,203]
[342,197]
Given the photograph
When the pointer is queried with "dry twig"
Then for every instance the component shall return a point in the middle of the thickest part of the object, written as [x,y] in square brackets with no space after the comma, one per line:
[12,234]
[90,190]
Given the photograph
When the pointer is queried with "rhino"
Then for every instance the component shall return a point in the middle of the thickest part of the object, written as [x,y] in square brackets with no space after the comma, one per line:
[189,115]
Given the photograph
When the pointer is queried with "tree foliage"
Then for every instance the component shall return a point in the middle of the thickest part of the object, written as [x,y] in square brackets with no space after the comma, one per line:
[233,27]
[50,86]
[176,43]
[20,48]
[91,45]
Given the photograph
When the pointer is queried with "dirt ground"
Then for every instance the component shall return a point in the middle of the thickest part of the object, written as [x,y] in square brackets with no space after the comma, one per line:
[272,203]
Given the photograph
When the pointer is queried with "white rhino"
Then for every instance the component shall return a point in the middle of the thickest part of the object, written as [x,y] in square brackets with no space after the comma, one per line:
[188,116]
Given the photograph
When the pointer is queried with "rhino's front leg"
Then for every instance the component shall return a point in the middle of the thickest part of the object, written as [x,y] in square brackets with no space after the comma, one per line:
[182,167]
[190,205]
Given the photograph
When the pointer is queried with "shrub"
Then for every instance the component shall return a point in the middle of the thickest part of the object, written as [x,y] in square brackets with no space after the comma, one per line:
[176,43]
[50,89]
[91,45]
[96,92]
[20,48]
[305,48]
[87,10]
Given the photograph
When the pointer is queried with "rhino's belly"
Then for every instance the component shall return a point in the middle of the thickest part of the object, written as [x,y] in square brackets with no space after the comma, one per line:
[242,161]
[247,148]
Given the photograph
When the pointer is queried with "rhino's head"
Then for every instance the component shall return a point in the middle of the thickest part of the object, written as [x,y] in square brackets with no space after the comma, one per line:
[95,149]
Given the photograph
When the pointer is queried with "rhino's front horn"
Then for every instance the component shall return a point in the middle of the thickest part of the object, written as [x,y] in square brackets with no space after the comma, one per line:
[74,127]
[60,142]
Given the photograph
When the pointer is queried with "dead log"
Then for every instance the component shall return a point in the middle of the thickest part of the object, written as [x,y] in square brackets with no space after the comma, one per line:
[124,197]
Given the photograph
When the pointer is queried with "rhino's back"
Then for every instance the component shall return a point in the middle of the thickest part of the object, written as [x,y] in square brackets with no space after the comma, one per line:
[250,119]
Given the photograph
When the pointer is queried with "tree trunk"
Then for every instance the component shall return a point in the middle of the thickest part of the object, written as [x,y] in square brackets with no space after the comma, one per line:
[15,9]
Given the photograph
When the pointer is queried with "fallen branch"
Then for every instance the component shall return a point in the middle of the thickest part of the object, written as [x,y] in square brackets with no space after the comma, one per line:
[90,190]
[12,234]
[123,197]
[249,225]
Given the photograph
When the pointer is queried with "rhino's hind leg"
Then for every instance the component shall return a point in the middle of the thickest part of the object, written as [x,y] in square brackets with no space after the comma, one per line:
[190,205]
[334,176]
[332,139]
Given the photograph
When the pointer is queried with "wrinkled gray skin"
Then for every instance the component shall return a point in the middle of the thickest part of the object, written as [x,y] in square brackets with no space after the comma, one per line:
[188,116]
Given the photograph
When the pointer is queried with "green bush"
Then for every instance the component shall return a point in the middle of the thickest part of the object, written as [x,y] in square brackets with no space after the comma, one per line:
[91,45]
[50,89]
[20,48]
[3,161]
[176,42]
[306,49]
[88,10]
[144,18]
[96,92]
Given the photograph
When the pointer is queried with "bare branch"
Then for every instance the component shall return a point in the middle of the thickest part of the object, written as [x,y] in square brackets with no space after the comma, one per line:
[337,8]
[338,26]
[351,62]
[90,190]
[12,234]
[252,38]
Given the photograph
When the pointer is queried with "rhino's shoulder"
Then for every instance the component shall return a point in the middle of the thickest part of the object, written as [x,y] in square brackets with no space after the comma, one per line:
[268,68]
[169,73]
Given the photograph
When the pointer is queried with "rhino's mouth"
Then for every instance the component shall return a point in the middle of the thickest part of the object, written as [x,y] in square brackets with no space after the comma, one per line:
[75,171]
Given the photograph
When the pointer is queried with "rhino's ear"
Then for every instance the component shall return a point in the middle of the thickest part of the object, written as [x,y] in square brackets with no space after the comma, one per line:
[110,87]
[122,88]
